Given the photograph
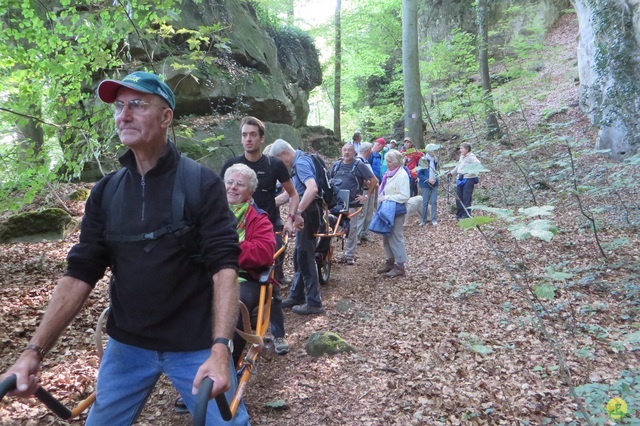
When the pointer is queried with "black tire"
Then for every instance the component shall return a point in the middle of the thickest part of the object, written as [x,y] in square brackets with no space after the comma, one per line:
[324,271]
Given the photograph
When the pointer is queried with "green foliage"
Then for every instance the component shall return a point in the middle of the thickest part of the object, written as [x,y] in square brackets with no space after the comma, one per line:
[521,226]
[50,59]
[473,221]
[466,291]
[597,395]
[450,62]
[545,291]
[554,275]
[475,344]
[540,228]
[371,68]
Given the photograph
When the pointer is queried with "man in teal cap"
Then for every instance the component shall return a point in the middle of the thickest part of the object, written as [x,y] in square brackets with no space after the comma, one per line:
[164,318]
[140,81]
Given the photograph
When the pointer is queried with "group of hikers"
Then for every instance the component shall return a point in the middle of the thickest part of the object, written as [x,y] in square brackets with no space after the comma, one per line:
[181,257]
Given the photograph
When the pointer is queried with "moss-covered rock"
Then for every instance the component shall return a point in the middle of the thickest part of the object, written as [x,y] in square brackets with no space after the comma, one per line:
[81,194]
[327,342]
[47,224]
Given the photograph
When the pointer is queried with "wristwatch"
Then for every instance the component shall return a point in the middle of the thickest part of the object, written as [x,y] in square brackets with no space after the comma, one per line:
[227,342]
[37,349]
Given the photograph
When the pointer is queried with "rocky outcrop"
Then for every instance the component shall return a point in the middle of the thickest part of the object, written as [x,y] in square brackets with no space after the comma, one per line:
[609,70]
[259,72]
[440,16]
[248,69]
[213,151]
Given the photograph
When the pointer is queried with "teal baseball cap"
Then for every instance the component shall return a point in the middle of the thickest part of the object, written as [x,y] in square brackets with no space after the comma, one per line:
[140,81]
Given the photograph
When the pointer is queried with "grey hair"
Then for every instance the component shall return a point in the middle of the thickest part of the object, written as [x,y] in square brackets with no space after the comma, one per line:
[395,156]
[246,171]
[280,146]
[365,146]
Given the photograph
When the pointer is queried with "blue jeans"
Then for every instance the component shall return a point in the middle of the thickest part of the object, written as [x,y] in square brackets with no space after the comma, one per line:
[429,198]
[128,374]
[464,194]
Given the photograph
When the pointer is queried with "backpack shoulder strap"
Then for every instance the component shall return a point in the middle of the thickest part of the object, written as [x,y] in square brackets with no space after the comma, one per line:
[355,164]
[113,210]
[336,167]
[186,189]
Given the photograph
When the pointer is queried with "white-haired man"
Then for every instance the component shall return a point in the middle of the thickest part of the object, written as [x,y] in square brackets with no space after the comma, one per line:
[304,295]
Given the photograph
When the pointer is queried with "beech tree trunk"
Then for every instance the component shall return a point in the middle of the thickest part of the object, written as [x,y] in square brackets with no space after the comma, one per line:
[413,126]
[493,129]
[337,71]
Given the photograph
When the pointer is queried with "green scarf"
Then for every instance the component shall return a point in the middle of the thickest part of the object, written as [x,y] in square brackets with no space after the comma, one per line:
[240,211]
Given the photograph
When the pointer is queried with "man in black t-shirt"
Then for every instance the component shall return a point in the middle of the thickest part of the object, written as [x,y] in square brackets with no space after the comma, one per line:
[270,171]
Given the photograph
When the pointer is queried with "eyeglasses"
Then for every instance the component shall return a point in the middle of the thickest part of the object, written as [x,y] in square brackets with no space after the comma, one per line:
[134,105]
[231,182]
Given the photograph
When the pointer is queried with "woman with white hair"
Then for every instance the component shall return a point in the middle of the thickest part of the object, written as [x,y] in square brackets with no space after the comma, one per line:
[257,245]
[394,187]
[257,241]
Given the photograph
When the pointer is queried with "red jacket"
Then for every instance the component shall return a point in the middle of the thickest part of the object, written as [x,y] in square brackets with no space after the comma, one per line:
[259,243]
[412,158]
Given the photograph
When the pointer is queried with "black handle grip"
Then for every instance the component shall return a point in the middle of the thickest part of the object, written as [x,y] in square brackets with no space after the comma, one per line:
[7,385]
[53,404]
[45,397]
[202,400]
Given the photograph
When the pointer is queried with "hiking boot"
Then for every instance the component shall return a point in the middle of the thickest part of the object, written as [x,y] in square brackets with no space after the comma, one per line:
[280,345]
[396,271]
[388,265]
[308,310]
[434,223]
[349,261]
[290,303]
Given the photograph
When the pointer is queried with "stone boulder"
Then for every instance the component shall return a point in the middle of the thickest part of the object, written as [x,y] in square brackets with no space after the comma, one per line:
[48,224]
[267,73]
[440,17]
[609,70]
[213,146]
[327,342]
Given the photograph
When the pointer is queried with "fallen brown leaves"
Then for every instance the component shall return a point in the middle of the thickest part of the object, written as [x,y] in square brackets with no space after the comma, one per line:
[454,342]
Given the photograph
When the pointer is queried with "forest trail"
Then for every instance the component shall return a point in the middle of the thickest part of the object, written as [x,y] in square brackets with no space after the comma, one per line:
[453,342]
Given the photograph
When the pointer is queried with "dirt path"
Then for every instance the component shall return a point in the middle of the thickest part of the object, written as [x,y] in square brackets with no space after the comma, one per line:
[454,342]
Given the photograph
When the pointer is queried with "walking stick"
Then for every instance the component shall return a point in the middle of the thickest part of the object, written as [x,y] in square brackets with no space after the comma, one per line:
[448,189]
